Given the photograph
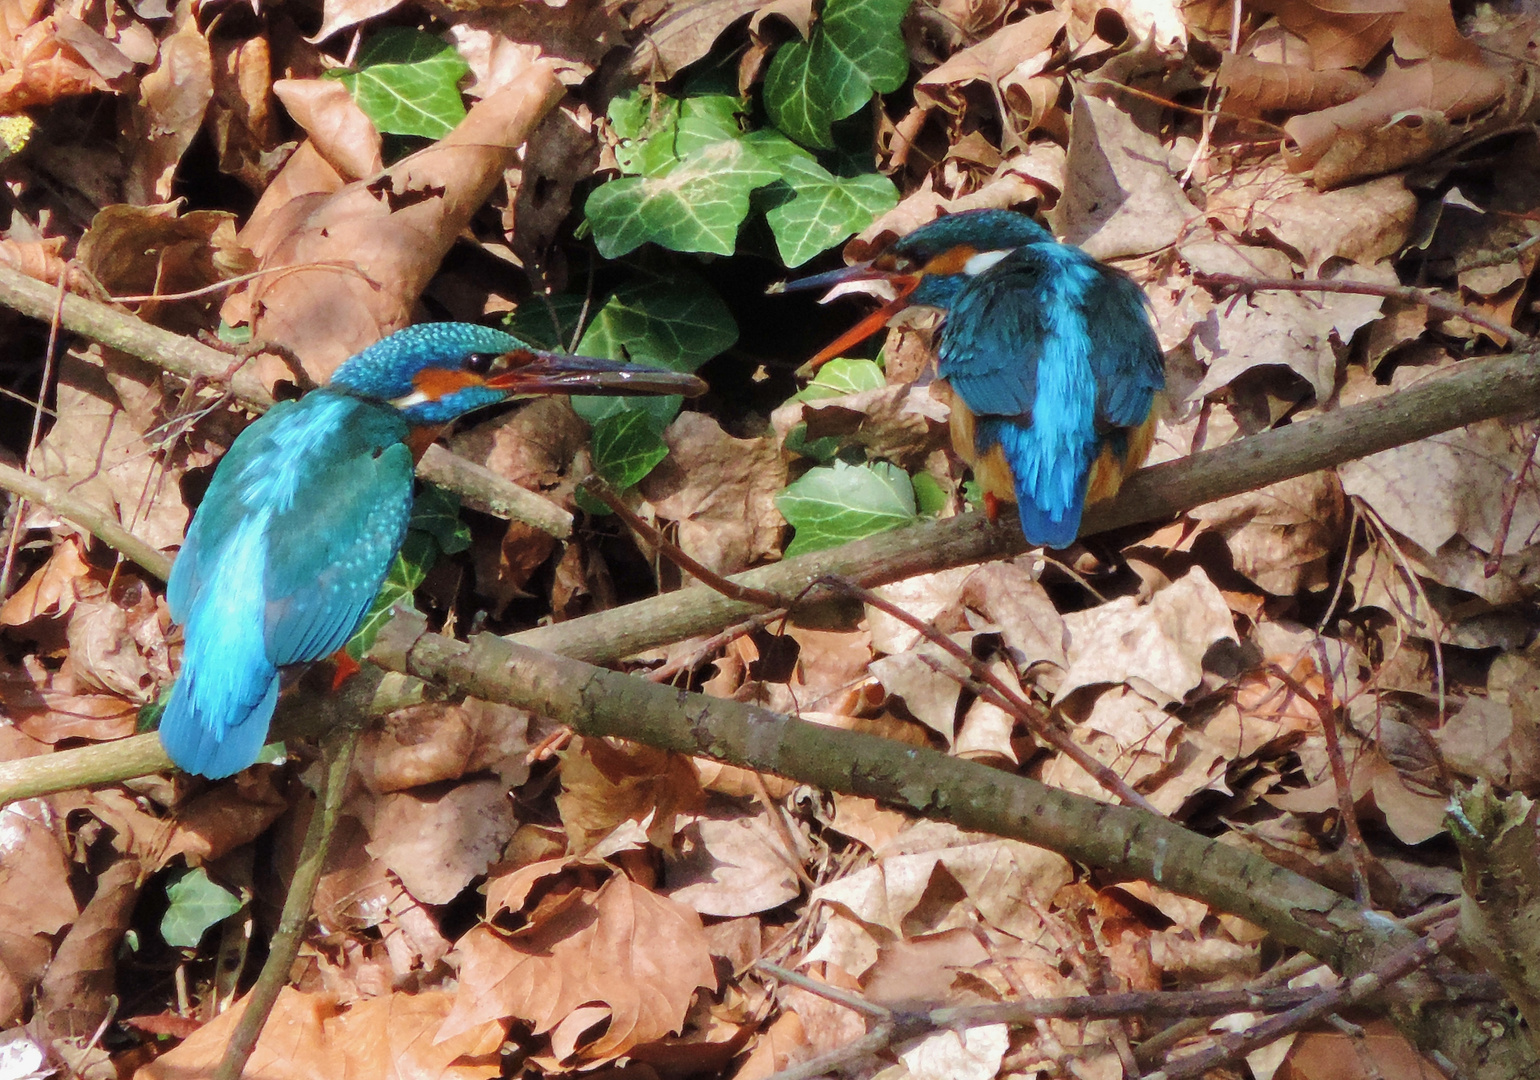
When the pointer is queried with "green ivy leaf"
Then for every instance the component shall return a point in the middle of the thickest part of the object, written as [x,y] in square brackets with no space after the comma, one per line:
[832,505]
[407,571]
[695,206]
[677,324]
[626,447]
[842,376]
[855,50]
[436,512]
[821,450]
[825,209]
[929,495]
[196,904]
[407,82]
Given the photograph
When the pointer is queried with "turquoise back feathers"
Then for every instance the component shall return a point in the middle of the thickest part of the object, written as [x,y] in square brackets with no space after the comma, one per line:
[1052,361]
[307,510]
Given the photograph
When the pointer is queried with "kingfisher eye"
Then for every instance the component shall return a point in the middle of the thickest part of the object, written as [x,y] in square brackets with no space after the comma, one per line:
[479,363]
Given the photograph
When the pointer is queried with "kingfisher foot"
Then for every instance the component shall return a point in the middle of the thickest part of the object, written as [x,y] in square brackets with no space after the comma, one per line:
[347,667]
[992,506]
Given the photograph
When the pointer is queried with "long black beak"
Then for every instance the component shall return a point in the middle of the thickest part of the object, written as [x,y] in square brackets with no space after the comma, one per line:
[863,271]
[905,283]
[531,371]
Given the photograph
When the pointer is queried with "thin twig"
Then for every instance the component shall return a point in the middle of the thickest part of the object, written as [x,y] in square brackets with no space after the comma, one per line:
[993,689]
[1357,849]
[296,906]
[1406,293]
[1398,964]
[1494,561]
[601,490]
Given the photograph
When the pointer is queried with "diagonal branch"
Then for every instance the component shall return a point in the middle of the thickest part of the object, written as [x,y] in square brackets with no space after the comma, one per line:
[1500,386]
[191,359]
[1127,841]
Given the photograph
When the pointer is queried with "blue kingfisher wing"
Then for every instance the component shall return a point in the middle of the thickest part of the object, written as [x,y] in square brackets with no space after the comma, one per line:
[1125,353]
[335,531]
[329,479]
[992,341]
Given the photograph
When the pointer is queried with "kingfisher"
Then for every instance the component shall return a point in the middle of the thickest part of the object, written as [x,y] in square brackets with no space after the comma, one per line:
[307,510]
[1054,367]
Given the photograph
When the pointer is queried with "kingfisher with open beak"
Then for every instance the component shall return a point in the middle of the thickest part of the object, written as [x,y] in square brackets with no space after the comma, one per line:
[308,508]
[1053,364]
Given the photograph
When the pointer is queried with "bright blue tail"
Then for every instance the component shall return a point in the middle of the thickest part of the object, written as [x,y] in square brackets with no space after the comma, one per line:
[1050,471]
[216,721]
[198,735]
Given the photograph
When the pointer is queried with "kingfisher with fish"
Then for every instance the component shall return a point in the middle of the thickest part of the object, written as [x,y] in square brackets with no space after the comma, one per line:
[307,510]
[1052,361]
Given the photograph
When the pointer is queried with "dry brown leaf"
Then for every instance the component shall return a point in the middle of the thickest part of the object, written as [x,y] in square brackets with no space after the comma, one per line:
[172,100]
[307,1036]
[933,598]
[437,843]
[50,706]
[99,448]
[39,67]
[1287,330]
[36,901]
[1364,223]
[1256,86]
[358,892]
[732,864]
[606,784]
[1119,195]
[1281,536]
[502,41]
[429,743]
[931,696]
[975,1053]
[1379,1052]
[894,894]
[338,15]
[1448,485]
[338,129]
[639,955]
[721,492]
[902,422]
[926,969]
[1009,596]
[218,821]
[1006,62]
[782,1044]
[1157,646]
[241,121]
[1146,747]
[1413,111]
[144,250]
[79,990]
[685,33]
[51,590]
[390,235]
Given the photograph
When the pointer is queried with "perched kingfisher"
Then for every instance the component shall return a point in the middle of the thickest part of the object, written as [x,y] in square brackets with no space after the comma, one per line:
[308,508]
[1054,366]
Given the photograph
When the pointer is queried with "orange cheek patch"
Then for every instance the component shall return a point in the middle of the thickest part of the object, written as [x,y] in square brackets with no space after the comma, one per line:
[439,383]
[951,262]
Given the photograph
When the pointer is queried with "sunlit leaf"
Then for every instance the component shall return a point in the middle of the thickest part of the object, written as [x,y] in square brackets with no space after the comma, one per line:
[839,503]
[407,82]
[854,51]
[196,904]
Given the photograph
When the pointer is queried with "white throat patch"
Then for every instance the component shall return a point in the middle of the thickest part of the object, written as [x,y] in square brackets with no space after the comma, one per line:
[983,261]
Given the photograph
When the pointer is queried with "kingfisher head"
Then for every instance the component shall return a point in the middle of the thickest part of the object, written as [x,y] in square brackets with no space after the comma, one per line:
[435,372]
[929,266]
